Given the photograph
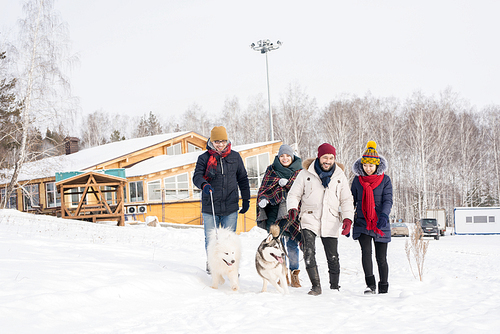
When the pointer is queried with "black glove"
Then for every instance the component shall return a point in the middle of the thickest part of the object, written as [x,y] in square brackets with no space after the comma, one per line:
[207,188]
[382,221]
[245,205]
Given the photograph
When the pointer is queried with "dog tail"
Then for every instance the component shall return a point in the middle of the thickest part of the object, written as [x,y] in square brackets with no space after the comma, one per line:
[275,230]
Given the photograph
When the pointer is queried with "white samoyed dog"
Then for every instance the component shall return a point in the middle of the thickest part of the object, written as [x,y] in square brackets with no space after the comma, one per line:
[224,253]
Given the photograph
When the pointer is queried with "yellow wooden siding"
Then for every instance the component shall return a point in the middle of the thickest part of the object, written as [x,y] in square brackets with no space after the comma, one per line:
[185,211]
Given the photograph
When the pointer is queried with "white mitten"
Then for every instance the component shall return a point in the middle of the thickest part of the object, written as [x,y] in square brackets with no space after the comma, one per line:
[263,202]
[283,182]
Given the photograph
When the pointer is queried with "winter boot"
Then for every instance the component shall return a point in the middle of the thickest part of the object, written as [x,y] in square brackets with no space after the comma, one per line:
[370,285]
[295,279]
[314,277]
[383,287]
[334,281]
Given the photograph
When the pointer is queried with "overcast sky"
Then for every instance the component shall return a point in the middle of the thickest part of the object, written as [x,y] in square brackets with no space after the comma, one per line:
[165,55]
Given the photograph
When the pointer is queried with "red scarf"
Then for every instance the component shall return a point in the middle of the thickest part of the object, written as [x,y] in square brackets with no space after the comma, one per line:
[368,202]
[212,161]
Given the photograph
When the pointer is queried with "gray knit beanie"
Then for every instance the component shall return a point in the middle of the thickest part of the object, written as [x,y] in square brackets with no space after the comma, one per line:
[285,149]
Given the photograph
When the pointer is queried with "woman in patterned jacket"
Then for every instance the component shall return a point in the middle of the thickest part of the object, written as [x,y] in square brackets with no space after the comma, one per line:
[271,208]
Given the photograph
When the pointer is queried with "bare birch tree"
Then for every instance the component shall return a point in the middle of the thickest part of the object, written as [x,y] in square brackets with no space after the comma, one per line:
[293,118]
[43,86]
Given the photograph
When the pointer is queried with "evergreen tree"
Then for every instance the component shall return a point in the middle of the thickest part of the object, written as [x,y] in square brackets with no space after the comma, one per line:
[116,136]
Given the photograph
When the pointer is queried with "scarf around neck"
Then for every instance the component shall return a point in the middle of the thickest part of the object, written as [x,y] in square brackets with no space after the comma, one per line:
[368,202]
[211,170]
[286,172]
[324,176]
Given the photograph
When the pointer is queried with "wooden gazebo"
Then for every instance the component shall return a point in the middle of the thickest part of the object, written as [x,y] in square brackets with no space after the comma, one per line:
[92,196]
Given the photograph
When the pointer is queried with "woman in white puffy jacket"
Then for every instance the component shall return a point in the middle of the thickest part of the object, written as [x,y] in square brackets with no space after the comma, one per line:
[322,188]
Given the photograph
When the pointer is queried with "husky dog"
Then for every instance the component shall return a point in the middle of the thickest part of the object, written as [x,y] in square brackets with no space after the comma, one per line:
[224,252]
[270,261]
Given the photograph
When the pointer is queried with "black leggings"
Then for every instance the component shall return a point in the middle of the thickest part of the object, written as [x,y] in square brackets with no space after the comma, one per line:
[365,241]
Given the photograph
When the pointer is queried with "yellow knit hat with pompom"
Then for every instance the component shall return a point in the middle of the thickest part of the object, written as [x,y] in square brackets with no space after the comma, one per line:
[370,156]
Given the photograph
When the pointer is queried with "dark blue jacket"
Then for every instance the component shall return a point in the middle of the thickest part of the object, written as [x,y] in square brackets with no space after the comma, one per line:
[231,175]
[383,201]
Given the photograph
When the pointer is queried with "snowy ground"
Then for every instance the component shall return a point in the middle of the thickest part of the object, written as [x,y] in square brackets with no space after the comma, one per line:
[62,276]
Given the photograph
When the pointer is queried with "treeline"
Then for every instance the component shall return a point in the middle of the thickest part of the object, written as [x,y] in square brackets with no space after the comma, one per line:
[442,152]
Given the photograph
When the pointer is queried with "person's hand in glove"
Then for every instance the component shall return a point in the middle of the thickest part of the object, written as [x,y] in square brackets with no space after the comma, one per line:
[292,214]
[245,205]
[207,188]
[382,221]
[263,203]
[282,182]
[346,227]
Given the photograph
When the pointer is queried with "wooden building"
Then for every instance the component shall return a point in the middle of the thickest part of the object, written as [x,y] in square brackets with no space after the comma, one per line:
[158,171]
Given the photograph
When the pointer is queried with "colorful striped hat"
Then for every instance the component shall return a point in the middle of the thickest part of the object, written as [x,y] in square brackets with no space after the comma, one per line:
[370,156]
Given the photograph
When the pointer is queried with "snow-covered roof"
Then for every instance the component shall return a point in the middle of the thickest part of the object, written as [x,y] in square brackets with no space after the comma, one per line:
[164,162]
[87,158]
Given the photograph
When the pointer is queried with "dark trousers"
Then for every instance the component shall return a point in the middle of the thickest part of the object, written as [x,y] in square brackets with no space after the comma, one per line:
[365,241]
[329,244]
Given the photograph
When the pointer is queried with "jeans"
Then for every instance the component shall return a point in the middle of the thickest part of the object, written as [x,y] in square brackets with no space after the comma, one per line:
[230,221]
[292,248]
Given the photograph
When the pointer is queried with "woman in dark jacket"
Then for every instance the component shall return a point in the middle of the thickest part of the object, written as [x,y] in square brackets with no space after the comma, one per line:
[372,193]
[271,208]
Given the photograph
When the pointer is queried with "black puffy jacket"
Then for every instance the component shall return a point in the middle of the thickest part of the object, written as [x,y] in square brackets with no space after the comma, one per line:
[231,175]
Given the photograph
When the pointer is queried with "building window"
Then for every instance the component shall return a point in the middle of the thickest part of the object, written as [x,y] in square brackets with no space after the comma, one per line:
[76,195]
[136,192]
[196,190]
[468,220]
[176,187]
[52,195]
[125,194]
[193,148]
[12,202]
[31,196]
[480,219]
[174,149]
[491,219]
[256,168]
[154,190]
[109,194]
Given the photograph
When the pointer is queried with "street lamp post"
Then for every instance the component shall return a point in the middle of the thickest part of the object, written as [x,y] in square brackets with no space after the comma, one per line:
[264,46]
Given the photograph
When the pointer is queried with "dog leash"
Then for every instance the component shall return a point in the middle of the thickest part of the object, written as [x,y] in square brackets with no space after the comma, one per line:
[213,214]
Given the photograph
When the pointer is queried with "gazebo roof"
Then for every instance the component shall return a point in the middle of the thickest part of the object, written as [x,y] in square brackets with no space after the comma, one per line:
[98,176]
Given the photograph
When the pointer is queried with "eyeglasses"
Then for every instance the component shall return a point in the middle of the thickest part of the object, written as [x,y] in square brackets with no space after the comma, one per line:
[218,142]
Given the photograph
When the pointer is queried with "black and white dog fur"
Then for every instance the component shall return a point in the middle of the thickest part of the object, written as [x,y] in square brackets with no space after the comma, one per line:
[270,261]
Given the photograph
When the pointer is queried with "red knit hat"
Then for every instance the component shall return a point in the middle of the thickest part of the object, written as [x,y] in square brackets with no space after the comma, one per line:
[326,149]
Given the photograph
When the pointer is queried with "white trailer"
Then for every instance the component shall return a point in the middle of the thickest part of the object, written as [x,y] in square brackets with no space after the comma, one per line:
[477,220]
[440,216]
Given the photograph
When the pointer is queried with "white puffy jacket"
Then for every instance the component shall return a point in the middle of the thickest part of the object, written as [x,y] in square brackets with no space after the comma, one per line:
[319,211]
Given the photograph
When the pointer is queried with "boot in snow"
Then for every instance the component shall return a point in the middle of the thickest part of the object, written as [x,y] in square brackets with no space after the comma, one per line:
[383,287]
[295,279]
[314,277]
[370,285]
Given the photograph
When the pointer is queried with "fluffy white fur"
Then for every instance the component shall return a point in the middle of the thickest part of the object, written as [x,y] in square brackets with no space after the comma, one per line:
[224,252]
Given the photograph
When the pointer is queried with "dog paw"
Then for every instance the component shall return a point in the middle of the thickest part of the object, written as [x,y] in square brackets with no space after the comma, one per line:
[235,288]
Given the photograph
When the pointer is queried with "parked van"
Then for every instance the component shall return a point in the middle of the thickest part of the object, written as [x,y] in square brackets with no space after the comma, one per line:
[430,227]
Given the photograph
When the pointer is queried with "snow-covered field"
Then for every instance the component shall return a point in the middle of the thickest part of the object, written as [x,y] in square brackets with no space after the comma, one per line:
[63,276]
